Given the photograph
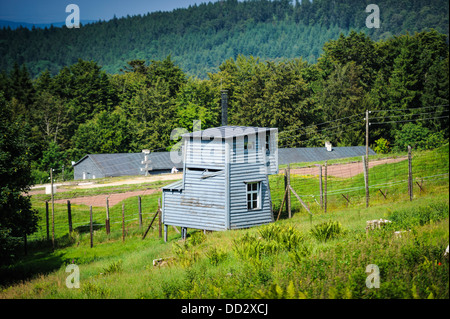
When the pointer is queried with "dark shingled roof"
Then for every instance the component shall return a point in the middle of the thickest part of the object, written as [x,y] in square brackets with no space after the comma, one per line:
[315,154]
[228,131]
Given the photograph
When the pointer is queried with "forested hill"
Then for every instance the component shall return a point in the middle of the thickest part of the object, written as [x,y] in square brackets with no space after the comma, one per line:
[201,37]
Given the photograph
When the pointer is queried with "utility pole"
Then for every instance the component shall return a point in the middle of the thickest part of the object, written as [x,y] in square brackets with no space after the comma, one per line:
[367,135]
[366,162]
[53,208]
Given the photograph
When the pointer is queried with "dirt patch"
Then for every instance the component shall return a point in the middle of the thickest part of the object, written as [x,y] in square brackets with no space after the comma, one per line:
[345,170]
[100,200]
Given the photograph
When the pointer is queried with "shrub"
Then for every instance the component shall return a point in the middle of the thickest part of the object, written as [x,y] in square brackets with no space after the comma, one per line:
[287,237]
[197,238]
[185,256]
[327,230]
[418,216]
[113,267]
[381,146]
[216,256]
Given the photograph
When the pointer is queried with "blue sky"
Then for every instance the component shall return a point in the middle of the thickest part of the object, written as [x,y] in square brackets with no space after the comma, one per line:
[47,11]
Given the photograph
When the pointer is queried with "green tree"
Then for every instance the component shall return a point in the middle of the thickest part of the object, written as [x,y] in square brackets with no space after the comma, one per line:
[105,133]
[17,218]
[198,100]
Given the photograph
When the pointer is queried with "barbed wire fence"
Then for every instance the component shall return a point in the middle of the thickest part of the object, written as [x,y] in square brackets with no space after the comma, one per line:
[314,187]
[326,186]
[100,216]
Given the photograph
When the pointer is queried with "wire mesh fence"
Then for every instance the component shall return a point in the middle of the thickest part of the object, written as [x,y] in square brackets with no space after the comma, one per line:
[343,184]
[113,214]
[321,186]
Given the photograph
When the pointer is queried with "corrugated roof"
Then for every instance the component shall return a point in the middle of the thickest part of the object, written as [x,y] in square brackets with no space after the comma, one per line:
[315,154]
[130,163]
[228,131]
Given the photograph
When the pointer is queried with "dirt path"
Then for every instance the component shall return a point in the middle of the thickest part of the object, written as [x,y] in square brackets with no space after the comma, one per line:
[100,200]
[345,170]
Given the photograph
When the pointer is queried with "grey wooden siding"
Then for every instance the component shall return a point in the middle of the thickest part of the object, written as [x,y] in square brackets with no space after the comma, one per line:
[200,203]
[240,216]
[205,153]
[213,192]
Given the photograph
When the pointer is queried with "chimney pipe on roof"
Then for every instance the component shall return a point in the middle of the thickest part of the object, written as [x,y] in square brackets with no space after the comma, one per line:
[328,146]
[224,107]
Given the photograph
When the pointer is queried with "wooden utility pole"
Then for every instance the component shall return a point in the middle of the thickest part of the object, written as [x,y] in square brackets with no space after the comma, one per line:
[53,208]
[367,135]
[366,179]
[325,191]
[366,162]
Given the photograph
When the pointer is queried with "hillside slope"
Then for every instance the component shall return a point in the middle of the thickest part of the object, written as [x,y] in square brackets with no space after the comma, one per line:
[200,38]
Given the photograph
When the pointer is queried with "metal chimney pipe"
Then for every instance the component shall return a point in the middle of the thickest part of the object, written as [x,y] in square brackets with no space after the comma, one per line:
[224,107]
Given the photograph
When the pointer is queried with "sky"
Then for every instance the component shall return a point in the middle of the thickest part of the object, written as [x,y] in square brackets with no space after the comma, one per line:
[47,11]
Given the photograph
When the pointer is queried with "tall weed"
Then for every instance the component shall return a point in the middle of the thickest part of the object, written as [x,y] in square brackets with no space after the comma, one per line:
[327,230]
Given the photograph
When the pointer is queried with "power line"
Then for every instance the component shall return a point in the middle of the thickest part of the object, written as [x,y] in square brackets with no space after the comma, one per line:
[404,121]
[416,114]
[410,109]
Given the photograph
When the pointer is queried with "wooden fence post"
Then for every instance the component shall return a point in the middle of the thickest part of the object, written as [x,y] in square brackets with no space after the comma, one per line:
[69,216]
[25,244]
[159,218]
[320,186]
[289,193]
[123,221]
[347,200]
[140,212]
[325,191]
[284,199]
[107,224]
[46,220]
[53,208]
[302,202]
[151,223]
[91,227]
[410,182]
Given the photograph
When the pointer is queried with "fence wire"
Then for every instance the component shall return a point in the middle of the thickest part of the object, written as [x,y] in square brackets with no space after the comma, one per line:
[344,185]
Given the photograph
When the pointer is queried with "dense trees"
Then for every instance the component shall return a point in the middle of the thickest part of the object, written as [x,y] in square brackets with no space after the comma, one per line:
[17,218]
[202,36]
[82,109]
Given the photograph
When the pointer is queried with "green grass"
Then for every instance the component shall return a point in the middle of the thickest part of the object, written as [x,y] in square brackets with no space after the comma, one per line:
[211,266]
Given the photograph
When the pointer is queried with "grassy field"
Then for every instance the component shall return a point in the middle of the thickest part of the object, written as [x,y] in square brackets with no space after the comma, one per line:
[322,257]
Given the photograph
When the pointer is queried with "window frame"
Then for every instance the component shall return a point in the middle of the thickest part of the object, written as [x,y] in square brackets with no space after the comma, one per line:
[250,202]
